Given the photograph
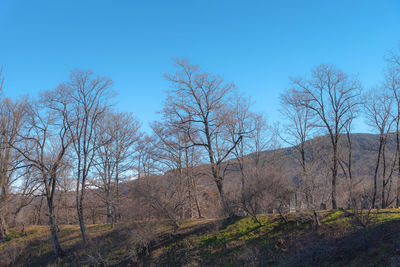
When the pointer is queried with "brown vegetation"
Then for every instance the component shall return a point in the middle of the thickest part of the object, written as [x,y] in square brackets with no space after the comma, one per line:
[70,157]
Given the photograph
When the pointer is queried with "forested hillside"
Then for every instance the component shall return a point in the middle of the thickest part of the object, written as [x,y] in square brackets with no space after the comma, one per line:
[70,159]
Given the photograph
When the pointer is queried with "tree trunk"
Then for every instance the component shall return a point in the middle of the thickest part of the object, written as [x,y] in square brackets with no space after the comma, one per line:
[190,202]
[350,160]
[384,183]
[196,200]
[3,228]
[93,216]
[39,221]
[316,219]
[376,172]
[398,166]
[3,208]
[222,195]
[53,229]
[305,176]
[82,222]
[334,176]
[108,208]
[114,216]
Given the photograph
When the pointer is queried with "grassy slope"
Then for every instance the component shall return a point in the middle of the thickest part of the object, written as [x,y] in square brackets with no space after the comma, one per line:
[211,242]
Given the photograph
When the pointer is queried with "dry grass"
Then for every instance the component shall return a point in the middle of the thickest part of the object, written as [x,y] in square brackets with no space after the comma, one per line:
[215,242]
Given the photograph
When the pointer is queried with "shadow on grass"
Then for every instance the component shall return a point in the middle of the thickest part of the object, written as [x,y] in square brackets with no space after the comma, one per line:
[375,246]
[206,245]
[239,242]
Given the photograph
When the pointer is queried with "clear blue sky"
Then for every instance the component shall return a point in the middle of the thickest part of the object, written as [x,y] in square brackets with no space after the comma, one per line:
[256,44]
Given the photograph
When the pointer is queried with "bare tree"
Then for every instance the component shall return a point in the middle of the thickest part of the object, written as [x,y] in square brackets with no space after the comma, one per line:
[12,118]
[346,162]
[145,156]
[300,127]
[330,94]
[200,104]
[242,121]
[89,98]
[45,144]
[64,194]
[378,110]
[119,133]
[179,158]
[192,173]
[247,157]
[161,198]
[392,83]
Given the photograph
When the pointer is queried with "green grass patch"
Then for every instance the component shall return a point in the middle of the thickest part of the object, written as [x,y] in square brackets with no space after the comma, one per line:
[205,242]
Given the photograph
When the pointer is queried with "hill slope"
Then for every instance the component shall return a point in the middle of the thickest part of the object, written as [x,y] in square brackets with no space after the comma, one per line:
[281,166]
[339,240]
[284,165]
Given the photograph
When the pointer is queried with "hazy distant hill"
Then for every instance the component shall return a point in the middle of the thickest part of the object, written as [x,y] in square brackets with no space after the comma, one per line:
[364,153]
[283,163]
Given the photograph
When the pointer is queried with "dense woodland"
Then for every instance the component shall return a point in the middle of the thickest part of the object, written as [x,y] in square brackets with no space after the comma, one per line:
[68,156]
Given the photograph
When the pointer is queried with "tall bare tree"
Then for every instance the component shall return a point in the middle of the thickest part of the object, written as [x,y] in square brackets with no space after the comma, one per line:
[248,156]
[346,162]
[119,134]
[378,110]
[89,100]
[12,118]
[201,105]
[180,159]
[392,83]
[145,156]
[330,94]
[299,129]
[45,144]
